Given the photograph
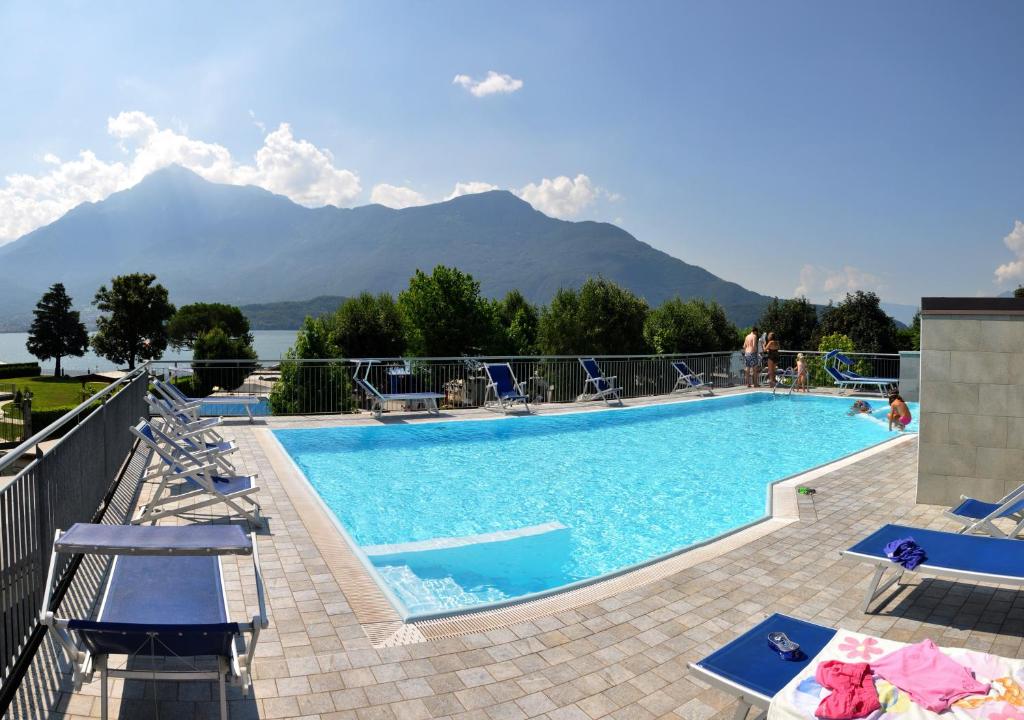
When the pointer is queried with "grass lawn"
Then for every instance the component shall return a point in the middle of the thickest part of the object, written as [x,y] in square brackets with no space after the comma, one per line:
[51,392]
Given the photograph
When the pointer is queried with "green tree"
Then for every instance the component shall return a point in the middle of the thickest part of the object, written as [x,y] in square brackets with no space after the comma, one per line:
[690,326]
[794,322]
[860,317]
[368,326]
[601,318]
[190,322]
[57,331]
[515,321]
[229,361]
[1019,292]
[311,387]
[136,328]
[909,338]
[444,314]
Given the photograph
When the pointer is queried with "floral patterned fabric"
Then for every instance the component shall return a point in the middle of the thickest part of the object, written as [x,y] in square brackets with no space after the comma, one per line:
[1005,700]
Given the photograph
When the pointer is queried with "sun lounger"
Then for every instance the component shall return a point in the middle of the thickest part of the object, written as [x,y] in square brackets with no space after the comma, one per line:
[689,380]
[750,671]
[839,368]
[597,386]
[199,436]
[978,516]
[165,598]
[963,557]
[171,392]
[202,484]
[378,399]
[507,392]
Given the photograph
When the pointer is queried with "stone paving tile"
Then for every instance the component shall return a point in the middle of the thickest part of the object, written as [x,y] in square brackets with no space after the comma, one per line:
[624,657]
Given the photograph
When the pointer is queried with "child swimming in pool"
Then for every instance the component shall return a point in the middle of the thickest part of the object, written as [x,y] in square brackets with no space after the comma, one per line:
[858,407]
[899,415]
[801,373]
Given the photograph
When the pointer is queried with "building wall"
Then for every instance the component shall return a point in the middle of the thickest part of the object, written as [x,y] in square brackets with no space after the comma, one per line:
[972,401]
[910,375]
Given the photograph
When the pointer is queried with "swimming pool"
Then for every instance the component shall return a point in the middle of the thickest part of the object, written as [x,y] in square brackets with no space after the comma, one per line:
[455,515]
[230,409]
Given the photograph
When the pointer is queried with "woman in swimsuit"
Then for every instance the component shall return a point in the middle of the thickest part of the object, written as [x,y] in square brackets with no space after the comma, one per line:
[899,415]
[771,349]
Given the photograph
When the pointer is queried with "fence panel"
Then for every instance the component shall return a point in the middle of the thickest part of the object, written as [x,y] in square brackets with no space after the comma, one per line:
[65,485]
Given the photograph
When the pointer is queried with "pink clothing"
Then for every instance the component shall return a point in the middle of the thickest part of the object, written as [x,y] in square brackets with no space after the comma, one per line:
[853,690]
[933,680]
[904,421]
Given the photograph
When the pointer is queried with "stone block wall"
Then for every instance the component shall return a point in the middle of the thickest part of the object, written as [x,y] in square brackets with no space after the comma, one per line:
[972,398]
[910,375]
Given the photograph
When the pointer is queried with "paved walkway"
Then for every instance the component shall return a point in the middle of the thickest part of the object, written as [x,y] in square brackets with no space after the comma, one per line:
[624,657]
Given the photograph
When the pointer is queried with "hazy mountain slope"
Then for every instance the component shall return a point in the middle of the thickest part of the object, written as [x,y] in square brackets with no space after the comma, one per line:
[246,245]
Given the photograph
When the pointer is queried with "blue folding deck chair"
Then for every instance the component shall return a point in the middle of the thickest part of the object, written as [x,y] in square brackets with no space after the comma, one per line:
[165,597]
[198,436]
[688,380]
[378,399]
[507,392]
[171,392]
[963,557]
[201,481]
[603,388]
[978,516]
[749,670]
[844,377]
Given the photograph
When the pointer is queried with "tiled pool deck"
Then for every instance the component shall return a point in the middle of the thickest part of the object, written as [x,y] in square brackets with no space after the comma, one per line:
[624,656]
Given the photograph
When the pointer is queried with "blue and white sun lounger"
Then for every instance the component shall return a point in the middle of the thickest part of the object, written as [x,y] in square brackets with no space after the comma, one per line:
[597,386]
[688,380]
[202,484]
[199,436]
[964,557]
[507,392]
[839,368]
[171,392]
[165,597]
[978,516]
[377,398]
[750,671]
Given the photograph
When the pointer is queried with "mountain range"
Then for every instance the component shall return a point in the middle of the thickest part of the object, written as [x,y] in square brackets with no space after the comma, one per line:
[227,243]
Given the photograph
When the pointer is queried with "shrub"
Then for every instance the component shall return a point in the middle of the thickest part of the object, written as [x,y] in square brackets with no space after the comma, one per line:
[13,370]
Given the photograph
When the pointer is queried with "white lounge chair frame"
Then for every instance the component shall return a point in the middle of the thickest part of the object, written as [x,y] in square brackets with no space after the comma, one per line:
[179,399]
[505,404]
[198,436]
[687,382]
[377,398]
[986,525]
[182,464]
[610,391]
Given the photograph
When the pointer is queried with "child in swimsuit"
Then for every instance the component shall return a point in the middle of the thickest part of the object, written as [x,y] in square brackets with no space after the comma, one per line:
[859,406]
[801,373]
[899,415]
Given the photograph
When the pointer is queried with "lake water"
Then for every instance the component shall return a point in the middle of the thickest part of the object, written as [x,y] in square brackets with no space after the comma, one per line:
[269,344]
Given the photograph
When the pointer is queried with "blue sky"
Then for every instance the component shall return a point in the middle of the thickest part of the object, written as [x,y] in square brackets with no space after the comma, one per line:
[785,146]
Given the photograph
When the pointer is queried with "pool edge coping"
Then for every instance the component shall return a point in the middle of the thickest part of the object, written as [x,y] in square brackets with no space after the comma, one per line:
[402,627]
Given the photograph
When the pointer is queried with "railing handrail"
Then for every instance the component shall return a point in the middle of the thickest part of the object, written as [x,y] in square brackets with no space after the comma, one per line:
[512,358]
[38,437]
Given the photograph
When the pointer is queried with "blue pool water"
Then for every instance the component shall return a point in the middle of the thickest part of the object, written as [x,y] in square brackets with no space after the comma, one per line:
[572,497]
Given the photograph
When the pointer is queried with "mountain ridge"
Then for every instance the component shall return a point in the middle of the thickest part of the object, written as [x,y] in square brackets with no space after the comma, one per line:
[246,245]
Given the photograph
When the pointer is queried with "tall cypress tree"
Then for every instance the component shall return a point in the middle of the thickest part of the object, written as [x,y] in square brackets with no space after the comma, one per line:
[57,330]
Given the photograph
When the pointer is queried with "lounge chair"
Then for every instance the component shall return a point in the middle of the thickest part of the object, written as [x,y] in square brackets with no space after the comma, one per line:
[978,516]
[845,378]
[203,484]
[507,392]
[171,392]
[377,398]
[603,387]
[749,670]
[964,557]
[753,673]
[689,380]
[165,597]
[199,436]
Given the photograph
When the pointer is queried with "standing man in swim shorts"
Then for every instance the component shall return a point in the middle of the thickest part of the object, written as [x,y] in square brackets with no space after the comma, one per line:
[751,361]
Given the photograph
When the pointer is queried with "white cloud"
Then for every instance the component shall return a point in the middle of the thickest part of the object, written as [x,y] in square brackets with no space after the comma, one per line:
[1013,270]
[493,84]
[819,283]
[470,188]
[294,168]
[562,197]
[396,197]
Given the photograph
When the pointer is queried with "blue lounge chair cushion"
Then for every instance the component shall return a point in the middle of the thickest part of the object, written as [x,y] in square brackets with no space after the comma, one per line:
[979,509]
[749,662]
[592,369]
[154,540]
[180,598]
[949,551]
